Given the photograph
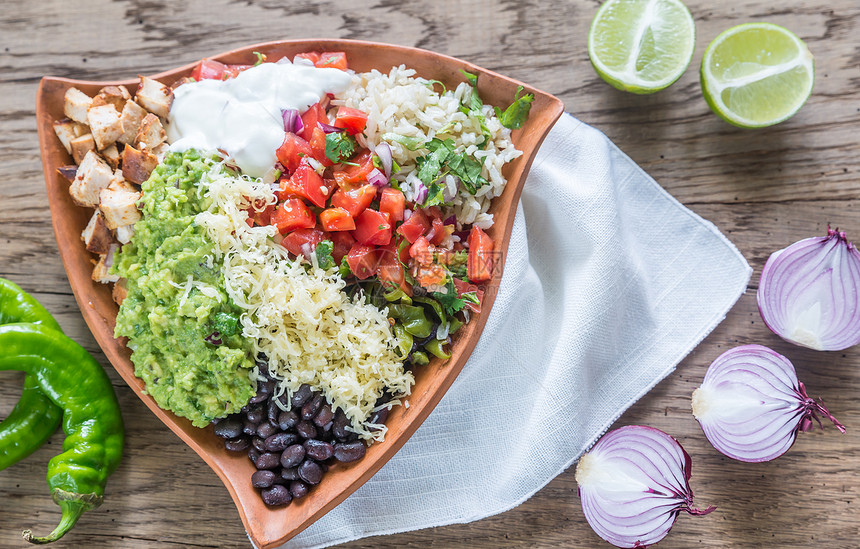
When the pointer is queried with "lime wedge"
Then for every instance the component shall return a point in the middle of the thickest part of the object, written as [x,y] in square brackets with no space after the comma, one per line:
[756,75]
[641,46]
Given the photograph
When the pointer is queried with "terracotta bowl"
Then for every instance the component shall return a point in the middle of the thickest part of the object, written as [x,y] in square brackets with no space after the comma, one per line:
[269,527]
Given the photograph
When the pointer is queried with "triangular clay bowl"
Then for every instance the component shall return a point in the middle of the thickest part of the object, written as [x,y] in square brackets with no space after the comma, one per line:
[269,527]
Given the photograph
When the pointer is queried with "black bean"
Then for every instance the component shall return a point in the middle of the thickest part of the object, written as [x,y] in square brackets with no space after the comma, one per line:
[325,415]
[292,455]
[259,444]
[279,441]
[262,479]
[229,427]
[264,390]
[298,489]
[266,429]
[306,429]
[272,411]
[311,407]
[268,460]
[318,450]
[310,472]
[287,420]
[249,427]
[238,444]
[301,396]
[349,451]
[379,416]
[253,455]
[339,425]
[276,495]
[327,428]
[291,473]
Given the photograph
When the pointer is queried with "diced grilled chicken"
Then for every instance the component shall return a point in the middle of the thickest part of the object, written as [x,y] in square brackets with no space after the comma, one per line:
[104,125]
[137,165]
[75,105]
[97,236]
[101,272]
[120,291]
[124,233]
[154,96]
[118,204]
[65,130]
[92,177]
[151,133]
[131,117]
[81,146]
[112,95]
[112,156]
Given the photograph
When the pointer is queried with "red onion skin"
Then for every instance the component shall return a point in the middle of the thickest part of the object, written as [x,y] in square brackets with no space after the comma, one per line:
[781,274]
[743,366]
[624,445]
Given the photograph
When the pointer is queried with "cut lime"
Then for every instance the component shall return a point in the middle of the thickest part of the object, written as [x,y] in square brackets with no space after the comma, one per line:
[641,46]
[756,75]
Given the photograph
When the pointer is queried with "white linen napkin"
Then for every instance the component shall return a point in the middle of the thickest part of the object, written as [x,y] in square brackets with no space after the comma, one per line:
[609,282]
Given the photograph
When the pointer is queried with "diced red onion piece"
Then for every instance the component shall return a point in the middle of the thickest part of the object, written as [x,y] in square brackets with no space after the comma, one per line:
[809,293]
[383,151]
[377,178]
[421,192]
[450,220]
[751,406]
[407,213]
[292,121]
[633,484]
[328,128]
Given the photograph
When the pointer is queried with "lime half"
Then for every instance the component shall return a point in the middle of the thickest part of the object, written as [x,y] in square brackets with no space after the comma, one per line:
[756,75]
[641,46]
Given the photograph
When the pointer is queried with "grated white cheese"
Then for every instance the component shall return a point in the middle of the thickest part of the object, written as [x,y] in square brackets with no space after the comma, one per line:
[297,314]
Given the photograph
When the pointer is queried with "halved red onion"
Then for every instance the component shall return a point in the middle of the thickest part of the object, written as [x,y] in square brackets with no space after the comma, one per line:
[292,121]
[386,158]
[377,178]
[328,128]
[751,406]
[421,192]
[809,293]
[633,484]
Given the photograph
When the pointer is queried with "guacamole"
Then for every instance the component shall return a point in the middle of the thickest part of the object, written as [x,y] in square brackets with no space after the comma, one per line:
[181,325]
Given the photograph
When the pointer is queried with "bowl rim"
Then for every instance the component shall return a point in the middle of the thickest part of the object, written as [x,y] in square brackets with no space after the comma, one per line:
[262,534]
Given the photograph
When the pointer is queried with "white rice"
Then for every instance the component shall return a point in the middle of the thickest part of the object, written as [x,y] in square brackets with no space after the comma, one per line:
[400,103]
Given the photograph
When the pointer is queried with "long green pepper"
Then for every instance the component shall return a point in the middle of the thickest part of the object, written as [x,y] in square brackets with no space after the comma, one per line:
[74,381]
[35,418]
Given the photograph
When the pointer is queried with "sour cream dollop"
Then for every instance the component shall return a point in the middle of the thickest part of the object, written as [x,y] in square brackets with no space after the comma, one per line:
[242,116]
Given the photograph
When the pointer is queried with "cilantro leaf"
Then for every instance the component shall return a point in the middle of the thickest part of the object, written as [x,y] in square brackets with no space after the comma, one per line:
[323,252]
[411,143]
[431,164]
[516,114]
[468,169]
[449,300]
[227,324]
[434,195]
[339,146]
[344,269]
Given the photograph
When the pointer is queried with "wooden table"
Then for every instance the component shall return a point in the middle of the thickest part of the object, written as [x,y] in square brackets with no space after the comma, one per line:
[764,189]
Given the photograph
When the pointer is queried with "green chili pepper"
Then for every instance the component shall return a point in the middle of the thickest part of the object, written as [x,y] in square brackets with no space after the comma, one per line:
[397,295]
[412,318]
[74,381]
[435,348]
[404,340]
[437,308]
[35,418]
[455,325]
[420,358]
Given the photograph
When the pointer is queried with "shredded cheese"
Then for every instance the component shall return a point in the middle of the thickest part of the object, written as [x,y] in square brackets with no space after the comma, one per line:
[297,314]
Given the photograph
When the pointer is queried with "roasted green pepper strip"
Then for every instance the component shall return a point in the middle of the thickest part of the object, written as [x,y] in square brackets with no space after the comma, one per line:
[435,348]
[433,304]
[74,381]
[413,319]
[397,295]
[404,340]
[419,358]
[455,325]
[35,418]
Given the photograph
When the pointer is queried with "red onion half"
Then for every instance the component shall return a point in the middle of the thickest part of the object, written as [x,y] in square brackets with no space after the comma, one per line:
[809,293]
[633,484]
[751,406]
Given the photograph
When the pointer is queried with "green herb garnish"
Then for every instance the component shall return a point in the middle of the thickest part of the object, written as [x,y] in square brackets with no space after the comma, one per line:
[323,252]
[518,111]
[339,146]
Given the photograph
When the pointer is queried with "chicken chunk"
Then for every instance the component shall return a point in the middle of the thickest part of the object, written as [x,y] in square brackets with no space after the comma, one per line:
[81,146]
[151,133]
[124,233]
[111,156]
[65,130]
[118,204]
[120,291]
[131,117]
[104,125]
[112,95]
[97,236]
[137,165]
[101,272]
[93,176]
[76,104]
[154,96]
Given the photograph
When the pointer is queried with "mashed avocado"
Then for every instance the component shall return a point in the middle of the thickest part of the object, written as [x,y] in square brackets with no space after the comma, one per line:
[183,328]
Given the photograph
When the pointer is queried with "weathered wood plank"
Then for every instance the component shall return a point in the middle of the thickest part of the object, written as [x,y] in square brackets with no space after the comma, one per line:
[764,189]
